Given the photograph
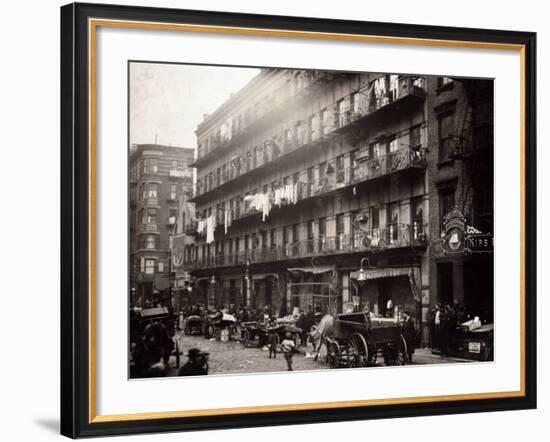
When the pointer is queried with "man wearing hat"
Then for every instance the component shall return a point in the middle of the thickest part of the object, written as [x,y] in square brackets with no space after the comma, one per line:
[196,365]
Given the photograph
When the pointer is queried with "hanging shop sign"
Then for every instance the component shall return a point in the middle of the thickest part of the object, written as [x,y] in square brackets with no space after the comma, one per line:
[479,243]
[178,251]
[455,223]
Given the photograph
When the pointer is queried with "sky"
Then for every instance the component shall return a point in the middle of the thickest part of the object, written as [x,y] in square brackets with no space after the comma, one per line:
[168,100]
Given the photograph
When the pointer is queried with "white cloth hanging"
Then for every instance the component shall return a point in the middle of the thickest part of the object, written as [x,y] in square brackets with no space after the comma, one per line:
[201,226]
[210,227]
[227,219]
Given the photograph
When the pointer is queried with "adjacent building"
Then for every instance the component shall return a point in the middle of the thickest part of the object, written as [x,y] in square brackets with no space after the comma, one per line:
[460,173]
[159,177]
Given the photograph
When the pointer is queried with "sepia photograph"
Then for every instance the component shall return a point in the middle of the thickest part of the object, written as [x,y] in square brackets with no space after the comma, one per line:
[293,219]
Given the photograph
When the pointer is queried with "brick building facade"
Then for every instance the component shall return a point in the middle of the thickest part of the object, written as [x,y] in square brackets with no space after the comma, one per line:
[159,176]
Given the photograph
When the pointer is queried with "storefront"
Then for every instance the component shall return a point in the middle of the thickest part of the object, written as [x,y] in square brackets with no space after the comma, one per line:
[386,291]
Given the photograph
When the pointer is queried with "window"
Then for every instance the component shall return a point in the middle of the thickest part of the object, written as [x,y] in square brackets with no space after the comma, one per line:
[272,238]
[322,170]
[173,191]
[150,242]
[309,227]
[445,124]
[149,266]
[340,173]
[322,122]
[393,222]
[394,87]
[375,217]
[149,190]
[374,150]
[151,216]
[417,214]
[392,144]
[246,239]
[311,128]
[295,234]
[446,202]
[322,233]
[340,231]
[375,226]
[415,140]
[264,239]
[174,164]
[309,181]
[354,103]
[151,165]
[161,267]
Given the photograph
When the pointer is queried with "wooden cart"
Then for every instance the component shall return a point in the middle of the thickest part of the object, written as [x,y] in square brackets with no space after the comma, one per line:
[255,334]
[357,340]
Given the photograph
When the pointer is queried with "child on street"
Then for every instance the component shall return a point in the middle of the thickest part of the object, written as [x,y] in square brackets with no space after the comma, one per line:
[289,348]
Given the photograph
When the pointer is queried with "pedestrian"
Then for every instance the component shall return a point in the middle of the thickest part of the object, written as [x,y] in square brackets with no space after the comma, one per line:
[289,348]
[272,342]
[409,334]
[301,323]
[196,365]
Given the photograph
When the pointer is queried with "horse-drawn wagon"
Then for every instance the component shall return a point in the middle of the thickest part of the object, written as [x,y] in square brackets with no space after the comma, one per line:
[357,340]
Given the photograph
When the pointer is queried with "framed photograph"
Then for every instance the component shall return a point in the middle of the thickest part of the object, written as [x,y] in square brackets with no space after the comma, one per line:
[273,220]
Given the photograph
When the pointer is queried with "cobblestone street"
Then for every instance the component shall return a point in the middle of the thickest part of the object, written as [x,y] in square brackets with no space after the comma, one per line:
[233,357]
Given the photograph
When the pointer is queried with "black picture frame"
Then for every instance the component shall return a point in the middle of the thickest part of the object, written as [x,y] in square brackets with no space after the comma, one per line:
[75,219]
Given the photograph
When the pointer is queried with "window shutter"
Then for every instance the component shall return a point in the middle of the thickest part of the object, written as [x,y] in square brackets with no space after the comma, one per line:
[142,265]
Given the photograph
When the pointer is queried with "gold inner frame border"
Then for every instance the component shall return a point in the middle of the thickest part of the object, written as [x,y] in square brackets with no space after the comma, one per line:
[93,24]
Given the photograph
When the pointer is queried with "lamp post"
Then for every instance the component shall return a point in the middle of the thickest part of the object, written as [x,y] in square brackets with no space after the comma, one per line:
[247,283]
[361,277]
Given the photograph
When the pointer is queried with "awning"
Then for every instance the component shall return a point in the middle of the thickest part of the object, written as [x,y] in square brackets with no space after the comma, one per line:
[413,274]
[316,270]
[261,276]
[387,272]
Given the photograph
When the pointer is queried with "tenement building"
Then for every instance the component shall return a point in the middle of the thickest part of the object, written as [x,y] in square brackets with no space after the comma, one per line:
[301,175]
[159,176]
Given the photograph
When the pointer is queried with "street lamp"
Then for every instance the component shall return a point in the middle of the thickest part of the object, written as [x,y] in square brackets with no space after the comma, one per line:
[362,273]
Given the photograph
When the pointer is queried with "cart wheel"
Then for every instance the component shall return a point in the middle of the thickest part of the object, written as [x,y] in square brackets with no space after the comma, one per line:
[359,353]
[373,354]
[334,354]
[245,338]
[395,353]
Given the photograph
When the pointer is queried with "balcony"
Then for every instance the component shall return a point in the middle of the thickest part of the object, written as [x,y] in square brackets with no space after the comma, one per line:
[339,179]
[396,236]
[407,92]
[147,228]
